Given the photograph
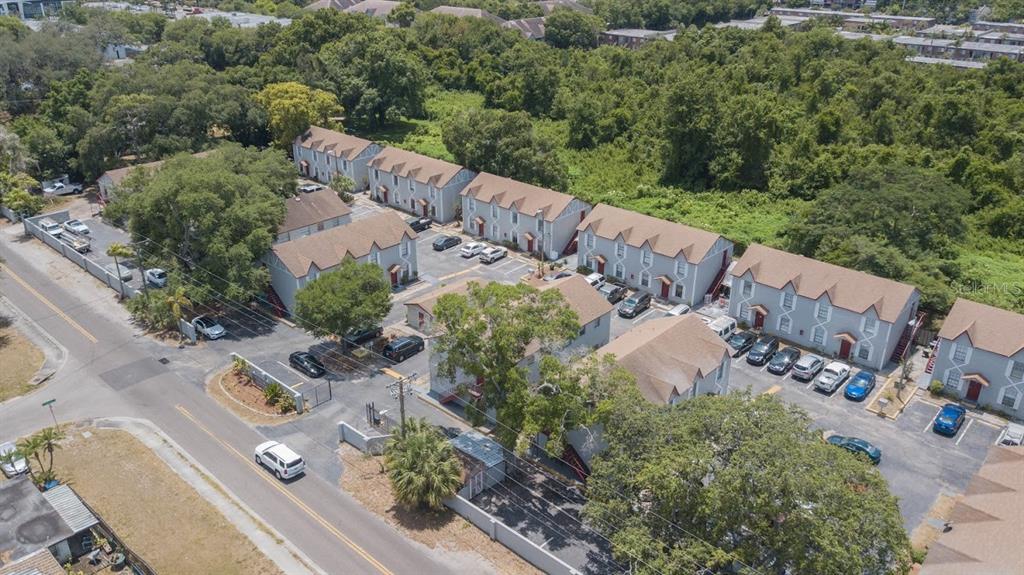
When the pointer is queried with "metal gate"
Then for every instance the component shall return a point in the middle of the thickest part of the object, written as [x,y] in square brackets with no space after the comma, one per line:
[319,393]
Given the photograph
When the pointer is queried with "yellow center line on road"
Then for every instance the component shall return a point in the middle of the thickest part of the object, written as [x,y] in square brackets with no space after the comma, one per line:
[298,502]
[51,305]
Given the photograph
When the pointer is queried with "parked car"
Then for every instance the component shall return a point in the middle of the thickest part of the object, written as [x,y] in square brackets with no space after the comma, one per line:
[1012,434]
[860,386]
[444,242]
[306,363]
[80,244]
[51,227]
[681,309]
[557,276]
[309,188]
[832,377]
[155,277]
[472,249]
[763,350]
[62,189]
[612,292]
[10,462]
[280,459]
[75,227]
[857,446]
[492,254]
[635,304]
[723,326]
[949,419]
[783,360]
[596,280]
[419,223]
[208,327]
[741,342]
[807,367]
[359,336]
[120,271]
[402,348]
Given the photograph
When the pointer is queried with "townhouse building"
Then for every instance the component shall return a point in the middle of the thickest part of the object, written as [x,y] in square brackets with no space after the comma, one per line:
[980,356]
[111,180]
[416,183]
[535,219]
[464,12]
[672,261]
[374,8]
[673,359]
[633,38]
[840,312]
[310,212]
[323,155]
[383,239]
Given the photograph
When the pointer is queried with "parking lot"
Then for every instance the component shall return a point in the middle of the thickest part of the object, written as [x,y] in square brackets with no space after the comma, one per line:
[101,236]
[918,463]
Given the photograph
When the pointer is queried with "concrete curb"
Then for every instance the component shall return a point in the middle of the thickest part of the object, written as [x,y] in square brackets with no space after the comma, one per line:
[274,545]
[54,354]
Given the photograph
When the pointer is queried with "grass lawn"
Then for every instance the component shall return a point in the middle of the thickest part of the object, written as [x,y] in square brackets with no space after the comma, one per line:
[20,360]
[156,513]
[993,273]
[423,136]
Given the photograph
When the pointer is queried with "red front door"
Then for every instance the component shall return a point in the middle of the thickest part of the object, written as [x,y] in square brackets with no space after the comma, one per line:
[394,278]
[425,210]
[759,320]
[973,390]
[529,244]
[844,349]
[384,194]
[480,229]
[664,290]
[600,267]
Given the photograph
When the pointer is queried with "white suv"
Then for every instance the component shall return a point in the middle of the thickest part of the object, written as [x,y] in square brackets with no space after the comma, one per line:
[492,254]
[280,459]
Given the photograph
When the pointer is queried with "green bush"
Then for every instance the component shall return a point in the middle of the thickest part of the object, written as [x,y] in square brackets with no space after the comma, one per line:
[286,403]
[935,387]
[584,270]
[273,393]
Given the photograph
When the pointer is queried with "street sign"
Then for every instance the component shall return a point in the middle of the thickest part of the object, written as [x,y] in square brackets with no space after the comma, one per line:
[50,402]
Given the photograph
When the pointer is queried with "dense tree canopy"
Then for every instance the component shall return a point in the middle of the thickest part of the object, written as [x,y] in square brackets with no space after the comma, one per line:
[353,296]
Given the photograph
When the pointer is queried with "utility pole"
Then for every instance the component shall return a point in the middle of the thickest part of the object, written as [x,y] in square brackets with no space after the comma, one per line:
[398,388]
[138,262]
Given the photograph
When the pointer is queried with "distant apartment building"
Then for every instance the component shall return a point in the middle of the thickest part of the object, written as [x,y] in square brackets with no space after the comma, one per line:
[418,184]
[323,155]
[310,212]
[633,38]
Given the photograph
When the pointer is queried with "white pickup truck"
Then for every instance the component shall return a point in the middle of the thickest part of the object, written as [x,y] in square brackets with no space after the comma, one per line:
[62,189]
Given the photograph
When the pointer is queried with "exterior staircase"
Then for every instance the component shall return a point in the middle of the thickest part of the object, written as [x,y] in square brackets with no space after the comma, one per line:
[907,337]
[572,458]
[275,302]
[715,285]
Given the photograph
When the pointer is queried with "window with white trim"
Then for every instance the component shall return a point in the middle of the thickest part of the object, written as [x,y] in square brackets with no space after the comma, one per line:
[405,249]
[645,279]
[864,351]
[952,379]
[494,210]
[472,204]
[1016,370]
[823,311]
[818,335]
[721,373]
[376,174]
[785,324]
[590,262]
[679,291]
[619,271]
[870,325]
[681,268]
[620,249]
[747,288]
[344,164]
[433,192]
[375,257]
[410,185]
[959,352]
[494,231]
[540,224]
[1010,396]
[394,179]
[788,301]
[645,257]
[589,240]
[515,218]
[744,311]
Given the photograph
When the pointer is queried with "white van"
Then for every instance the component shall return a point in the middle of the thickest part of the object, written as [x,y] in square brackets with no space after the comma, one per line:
[723,326]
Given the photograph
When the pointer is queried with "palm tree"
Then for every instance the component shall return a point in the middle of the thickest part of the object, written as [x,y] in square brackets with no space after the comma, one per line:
[177,301]
[422,466]
[50,440]
[29,448]
[119,250]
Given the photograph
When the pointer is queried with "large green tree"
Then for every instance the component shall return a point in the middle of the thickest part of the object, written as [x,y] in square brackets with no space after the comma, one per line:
[353,296]
[739,481]
[486,334]
[567,28]
[213,216]
[294,107]
[422,466]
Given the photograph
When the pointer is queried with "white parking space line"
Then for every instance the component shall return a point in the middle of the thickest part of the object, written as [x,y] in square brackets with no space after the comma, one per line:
[964,432]
[810,384]
[642,316]
[930,423]
[764,367]
[428,235]
[289,368]
[503,264]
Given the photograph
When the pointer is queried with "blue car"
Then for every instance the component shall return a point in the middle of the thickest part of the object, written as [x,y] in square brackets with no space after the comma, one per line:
[860,386]
[949,420]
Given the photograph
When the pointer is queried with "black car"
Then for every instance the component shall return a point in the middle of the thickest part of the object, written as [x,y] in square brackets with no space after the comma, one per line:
[444,242]
[306,363]
[762,351]
[358,336]
[635,304]
[418,224]
[783,360]
[741,342]
[612,292]
[398,350]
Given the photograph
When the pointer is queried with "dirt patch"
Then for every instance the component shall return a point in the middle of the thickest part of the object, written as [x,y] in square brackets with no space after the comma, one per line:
[20,359]
[926,533]
[895,401]
[364,480]
[244,399]
[155,512]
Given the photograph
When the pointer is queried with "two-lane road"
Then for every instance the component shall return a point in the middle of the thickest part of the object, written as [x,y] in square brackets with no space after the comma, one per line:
[113,371]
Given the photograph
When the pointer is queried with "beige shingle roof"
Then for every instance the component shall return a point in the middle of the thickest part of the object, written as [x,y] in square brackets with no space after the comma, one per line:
[987,522]
[312,208]
[586,301]
[667,354]
[463,12]
[330,4]
[373,7]
[990,328]
[421,168]
[328,248]
[665,237]
[427,301]
[330,141]
[847,289]
[526,198]
[41,562]
[549,6]
[118,175]
[530,28]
